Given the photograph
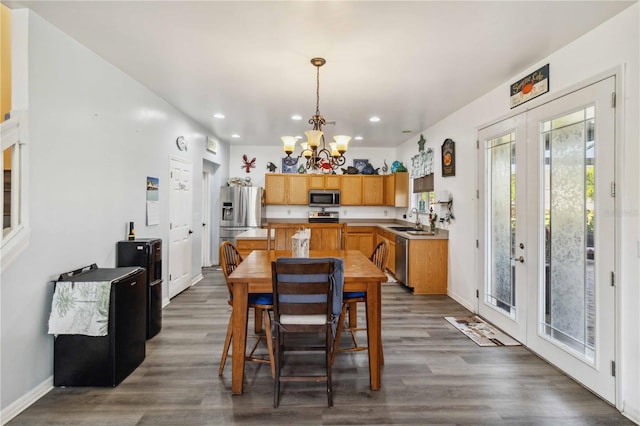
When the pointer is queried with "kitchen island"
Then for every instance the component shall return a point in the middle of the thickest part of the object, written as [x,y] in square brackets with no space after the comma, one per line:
[427,255]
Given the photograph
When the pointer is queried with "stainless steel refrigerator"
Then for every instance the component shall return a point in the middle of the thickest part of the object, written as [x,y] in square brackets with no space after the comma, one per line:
[242,208]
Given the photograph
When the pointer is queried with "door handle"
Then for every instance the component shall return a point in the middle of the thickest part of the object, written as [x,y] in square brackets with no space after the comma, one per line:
[520,259]
[191,232]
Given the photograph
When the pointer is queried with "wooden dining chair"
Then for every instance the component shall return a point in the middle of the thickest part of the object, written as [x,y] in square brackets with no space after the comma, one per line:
[303,305]
[261,302]
[379,257]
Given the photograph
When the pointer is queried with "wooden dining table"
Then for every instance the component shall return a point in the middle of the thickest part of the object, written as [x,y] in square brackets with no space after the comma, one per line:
[253,275]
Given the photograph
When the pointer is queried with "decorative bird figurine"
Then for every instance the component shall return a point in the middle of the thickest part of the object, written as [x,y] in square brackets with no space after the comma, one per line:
[271,167]
[246,164]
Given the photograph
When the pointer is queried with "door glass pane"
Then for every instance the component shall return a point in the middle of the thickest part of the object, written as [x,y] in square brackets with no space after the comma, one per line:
[6,184]
[500,287]
[569,210]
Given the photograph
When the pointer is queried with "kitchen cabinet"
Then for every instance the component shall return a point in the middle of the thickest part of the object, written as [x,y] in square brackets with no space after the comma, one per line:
[361,238]
[351,190]
[428,263]
[390,238]
[324,181]
[324,236]
[286,189]
[356,190]
[396,189]
[332,181]
[245,247]
[316,182]
[373,190]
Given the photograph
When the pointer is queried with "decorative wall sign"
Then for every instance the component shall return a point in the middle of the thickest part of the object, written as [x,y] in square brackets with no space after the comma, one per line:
[448,158]
[531,86]
[153,200]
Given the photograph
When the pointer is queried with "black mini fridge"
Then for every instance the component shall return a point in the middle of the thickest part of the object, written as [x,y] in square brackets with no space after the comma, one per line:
[81,360]
[147,253]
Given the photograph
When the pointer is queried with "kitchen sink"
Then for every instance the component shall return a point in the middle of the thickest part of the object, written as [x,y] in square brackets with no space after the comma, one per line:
[402,228]
[412,232]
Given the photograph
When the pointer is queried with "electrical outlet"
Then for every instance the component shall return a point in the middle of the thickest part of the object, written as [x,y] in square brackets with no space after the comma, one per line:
[289,212]
[385,212]
[344,212]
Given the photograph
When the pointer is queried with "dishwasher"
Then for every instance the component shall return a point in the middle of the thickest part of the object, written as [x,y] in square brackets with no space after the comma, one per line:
[402,261]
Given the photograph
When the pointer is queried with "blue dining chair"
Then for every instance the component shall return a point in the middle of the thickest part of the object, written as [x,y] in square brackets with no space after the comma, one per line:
[230,258]
[307,298]
[379,257]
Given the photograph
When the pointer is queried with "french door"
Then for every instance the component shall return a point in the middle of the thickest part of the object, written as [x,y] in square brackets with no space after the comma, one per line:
[547,232]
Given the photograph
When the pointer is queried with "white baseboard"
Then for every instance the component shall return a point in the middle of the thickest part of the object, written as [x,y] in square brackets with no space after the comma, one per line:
[195,280]
[462,301]
[26,400]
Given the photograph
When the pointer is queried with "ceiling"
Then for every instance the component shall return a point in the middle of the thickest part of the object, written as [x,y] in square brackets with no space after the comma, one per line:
[409,63]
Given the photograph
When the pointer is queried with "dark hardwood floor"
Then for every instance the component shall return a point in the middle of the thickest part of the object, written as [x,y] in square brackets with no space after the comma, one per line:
[433,374]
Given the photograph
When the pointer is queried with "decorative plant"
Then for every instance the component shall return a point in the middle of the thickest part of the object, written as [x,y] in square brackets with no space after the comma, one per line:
[433,217]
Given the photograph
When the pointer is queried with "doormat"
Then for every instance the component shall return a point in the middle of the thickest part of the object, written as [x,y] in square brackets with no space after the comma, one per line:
[481,332]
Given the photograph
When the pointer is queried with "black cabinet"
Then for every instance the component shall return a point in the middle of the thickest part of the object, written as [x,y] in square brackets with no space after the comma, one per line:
[146,253]
[81,360]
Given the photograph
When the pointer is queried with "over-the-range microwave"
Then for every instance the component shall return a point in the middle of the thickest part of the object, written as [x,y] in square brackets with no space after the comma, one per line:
[324,198]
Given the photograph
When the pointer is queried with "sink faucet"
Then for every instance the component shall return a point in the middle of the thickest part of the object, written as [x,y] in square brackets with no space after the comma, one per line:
[415,210]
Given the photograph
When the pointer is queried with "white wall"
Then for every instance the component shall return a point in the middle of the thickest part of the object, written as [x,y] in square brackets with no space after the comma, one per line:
[613,44]
[95,134]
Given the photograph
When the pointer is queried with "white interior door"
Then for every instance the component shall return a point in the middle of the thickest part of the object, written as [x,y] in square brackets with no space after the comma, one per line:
[180,214]
[502,220]
[572,156]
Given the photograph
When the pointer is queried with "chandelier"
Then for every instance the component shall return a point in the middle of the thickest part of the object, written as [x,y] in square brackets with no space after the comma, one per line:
[314,150]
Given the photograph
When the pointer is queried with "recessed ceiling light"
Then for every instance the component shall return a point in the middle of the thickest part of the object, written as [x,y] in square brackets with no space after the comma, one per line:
[218,115]
[374,119]
[235,136]
[296,117]
[407,131]
[358,138]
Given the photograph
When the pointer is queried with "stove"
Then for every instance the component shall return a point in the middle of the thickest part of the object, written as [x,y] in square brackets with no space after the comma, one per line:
[324,217]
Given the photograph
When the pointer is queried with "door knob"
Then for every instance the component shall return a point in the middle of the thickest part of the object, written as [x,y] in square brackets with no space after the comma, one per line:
[520,259]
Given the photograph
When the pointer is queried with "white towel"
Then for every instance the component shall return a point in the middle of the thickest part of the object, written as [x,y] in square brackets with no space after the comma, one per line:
[80,308]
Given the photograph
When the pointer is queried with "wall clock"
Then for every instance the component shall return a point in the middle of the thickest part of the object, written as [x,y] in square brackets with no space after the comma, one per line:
[181,142]
[212,144]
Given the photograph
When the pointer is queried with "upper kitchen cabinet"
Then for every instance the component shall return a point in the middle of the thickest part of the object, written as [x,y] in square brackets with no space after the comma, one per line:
[351,190]
[396,189]
[373,190]
[324,181]
[355,190]
[286,189]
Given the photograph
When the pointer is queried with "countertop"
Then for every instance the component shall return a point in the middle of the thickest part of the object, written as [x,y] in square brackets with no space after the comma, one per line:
[441,234]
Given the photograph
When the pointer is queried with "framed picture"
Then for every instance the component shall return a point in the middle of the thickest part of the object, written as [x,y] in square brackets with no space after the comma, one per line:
[360,164]
[448,158]
[289,169]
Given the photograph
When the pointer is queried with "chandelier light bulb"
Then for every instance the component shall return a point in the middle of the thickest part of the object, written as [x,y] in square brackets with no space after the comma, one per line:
[289,143]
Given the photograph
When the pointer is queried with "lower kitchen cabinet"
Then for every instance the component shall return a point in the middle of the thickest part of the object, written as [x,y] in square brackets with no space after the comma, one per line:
[428,263]
[361,238]
[245,247]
